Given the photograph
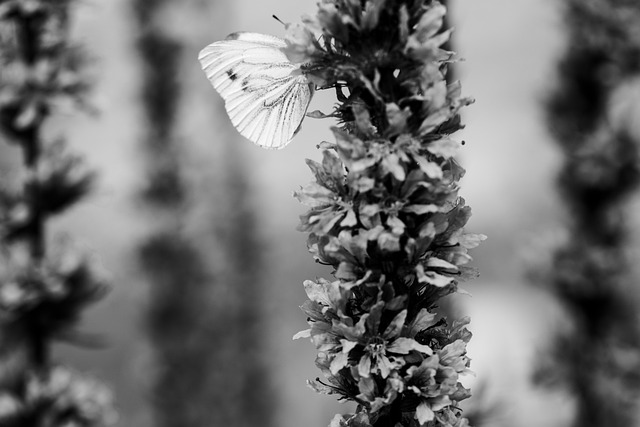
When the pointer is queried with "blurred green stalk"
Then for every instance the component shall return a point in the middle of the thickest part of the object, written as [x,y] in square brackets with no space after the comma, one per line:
[592,273]
[203,319]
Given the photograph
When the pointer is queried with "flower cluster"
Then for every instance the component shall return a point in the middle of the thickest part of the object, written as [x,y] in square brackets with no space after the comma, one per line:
[60,397]
[61,179]
[50,295]
[383,356]
[45,76]
[385,213]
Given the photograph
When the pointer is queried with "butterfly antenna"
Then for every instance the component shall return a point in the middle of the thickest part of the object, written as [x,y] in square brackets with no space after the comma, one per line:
[278,19]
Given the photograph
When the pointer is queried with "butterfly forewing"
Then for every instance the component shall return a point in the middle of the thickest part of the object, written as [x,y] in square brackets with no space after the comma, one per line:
[265,95]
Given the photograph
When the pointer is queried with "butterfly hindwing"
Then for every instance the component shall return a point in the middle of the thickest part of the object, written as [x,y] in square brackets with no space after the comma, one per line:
[266,96]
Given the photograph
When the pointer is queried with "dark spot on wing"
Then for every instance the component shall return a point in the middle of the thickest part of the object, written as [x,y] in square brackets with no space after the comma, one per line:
[231,74]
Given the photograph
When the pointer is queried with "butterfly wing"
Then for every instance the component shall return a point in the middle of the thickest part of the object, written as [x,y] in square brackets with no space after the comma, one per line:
[265,95]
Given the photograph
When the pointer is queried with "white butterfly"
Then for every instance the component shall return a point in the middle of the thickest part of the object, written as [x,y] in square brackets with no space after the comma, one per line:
[265,95]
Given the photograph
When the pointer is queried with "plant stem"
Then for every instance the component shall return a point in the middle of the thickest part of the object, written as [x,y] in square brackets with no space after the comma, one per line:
[27,31]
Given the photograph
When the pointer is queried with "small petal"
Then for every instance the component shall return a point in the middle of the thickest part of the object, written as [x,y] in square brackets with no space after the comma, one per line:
[394,328]
[433,170]
[424,414]
[346,271]
[317,114]
[339,361]
[397,118]
[347,346]
[384,365]
[444,147]
[432,277]
[391,164]
[388,242]
[350,219]
[315,195]
[338,421]
[303,334]
[422,321]
[430,22]
[318,387]
[317,292]
[371,14]
[421,209]
[363,119]
[404,345]
[441,264]
[367,387]
[364,366]
[470,241]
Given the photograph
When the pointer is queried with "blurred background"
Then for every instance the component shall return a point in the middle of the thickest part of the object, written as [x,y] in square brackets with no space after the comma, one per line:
[510,51]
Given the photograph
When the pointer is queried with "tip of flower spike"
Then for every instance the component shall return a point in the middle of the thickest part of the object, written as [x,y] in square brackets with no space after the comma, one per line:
[302,44]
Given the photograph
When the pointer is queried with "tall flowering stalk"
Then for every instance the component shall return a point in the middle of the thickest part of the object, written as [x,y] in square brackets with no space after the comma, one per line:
[591,115]
[385,213]
[43,290]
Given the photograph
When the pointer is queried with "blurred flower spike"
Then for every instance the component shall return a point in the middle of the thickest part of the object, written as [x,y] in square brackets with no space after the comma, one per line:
[61,397]
[43,289]
[384,212]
